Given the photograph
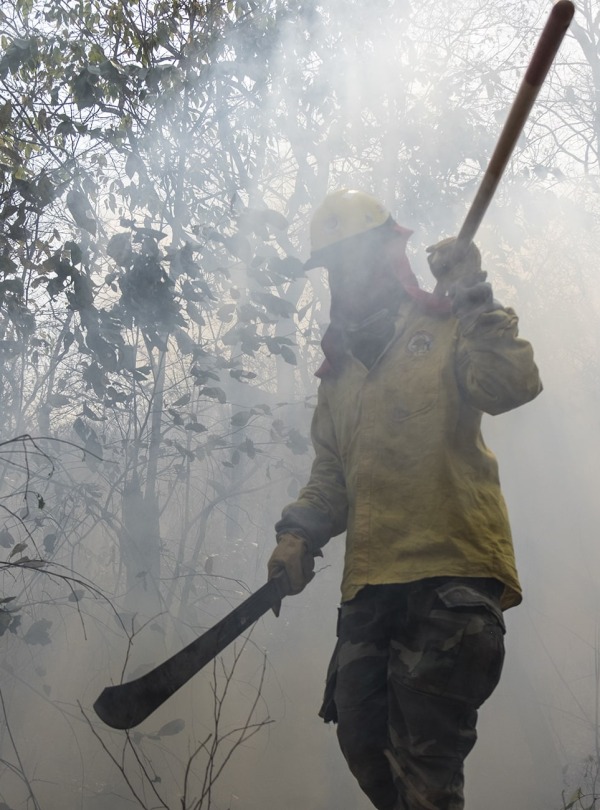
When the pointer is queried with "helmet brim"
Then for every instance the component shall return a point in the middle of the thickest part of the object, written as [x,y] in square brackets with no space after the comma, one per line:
[324,256]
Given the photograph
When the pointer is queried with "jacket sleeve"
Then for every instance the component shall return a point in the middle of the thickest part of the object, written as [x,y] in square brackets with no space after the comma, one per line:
[321,510]
[495,367]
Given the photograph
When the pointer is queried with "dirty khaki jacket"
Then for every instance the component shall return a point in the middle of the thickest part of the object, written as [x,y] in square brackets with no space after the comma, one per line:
[401,464]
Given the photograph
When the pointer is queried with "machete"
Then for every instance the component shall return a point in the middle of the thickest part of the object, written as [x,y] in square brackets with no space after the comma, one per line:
[125,705]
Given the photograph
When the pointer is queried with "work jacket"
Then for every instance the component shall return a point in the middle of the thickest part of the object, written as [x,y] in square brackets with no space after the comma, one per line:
[401,464]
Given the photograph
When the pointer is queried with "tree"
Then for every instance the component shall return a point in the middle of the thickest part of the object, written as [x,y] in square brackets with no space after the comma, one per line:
[158,164]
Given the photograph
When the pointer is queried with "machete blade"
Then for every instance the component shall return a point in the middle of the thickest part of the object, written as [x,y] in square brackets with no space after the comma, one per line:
[125,705]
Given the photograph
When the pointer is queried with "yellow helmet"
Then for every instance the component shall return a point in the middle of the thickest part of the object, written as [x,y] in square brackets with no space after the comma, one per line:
[344,213]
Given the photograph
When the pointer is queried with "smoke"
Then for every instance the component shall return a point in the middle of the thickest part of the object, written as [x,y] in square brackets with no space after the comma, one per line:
[404,101]
[423,100]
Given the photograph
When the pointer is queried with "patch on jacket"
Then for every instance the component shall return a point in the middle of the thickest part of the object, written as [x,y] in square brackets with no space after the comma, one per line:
[420,343]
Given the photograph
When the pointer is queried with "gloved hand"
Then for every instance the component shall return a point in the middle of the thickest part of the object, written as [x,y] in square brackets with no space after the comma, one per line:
[448,268]
[469,301]
[293,556]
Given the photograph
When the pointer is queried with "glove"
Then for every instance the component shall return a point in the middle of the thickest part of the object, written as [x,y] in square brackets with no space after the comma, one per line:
[449,269]
[292,556]
[469,301]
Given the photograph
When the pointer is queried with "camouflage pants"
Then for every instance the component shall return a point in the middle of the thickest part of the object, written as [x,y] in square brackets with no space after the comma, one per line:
[412,665]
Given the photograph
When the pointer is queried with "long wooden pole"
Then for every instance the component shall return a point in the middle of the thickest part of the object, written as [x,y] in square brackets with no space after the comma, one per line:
[550,39]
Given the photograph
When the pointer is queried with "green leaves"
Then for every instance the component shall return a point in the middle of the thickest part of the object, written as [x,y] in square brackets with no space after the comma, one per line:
[81,210]
[275,305]
[241,418]
[281,345]
[6,538]
[287,268]
[5,115]
[18,548]
[49,542]
[214,393]
[85,90]
[171,728]
[297,443]
[196,427]
[38,632]
[19,52]
[134,164]
[262,221]
[239,246]
[9,620]
[94,451]
[119,249]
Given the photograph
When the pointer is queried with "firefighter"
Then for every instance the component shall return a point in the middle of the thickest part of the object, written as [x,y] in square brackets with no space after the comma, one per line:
[401,467]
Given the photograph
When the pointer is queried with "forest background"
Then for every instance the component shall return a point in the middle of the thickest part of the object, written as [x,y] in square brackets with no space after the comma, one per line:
[158,341]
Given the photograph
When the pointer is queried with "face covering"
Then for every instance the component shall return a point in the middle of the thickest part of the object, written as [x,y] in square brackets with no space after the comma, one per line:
[364,321]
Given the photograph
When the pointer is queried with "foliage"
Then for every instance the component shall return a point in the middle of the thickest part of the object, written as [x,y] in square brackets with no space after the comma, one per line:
[580,801]
[158,161]
[200,770]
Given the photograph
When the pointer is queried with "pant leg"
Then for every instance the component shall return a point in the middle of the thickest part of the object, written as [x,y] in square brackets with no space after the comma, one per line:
[361,696]
[430,738]
[445,660]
